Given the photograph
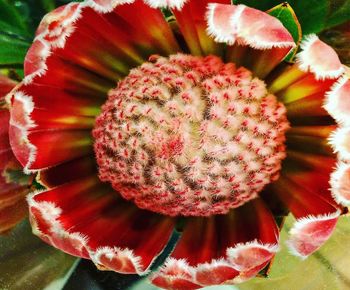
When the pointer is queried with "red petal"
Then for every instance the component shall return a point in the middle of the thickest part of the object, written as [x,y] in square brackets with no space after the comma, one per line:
[222,249]
[299,200]
[12,215]
[83,217]
[311,77]
[340,141]
[215,273]
[122,38]
[6,85]
[178,4]
[231,23]
[67,172]
[338,102]
[40,150]
[316,218]
[241,25]
[307,107]
[310,233]
[305,87]
[340,184]
[192,23]
[46,110]
[312,172]
[319,58]
[13,189]
[254,239]
[175,275]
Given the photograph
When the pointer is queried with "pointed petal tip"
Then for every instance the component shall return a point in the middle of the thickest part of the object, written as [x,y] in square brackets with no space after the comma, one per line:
[175,274]
[340,142]
[6,85]
[44,217]
[218,18]
[247,256]
[215,273]
[243,262]
[242,24]
[78,232]
[340,184]
[310,233]
[119,260]
[105,6]
[20,122]
[319,58]
[171,4]
[337,102]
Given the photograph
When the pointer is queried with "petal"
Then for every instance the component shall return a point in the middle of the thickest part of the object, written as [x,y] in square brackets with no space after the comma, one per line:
[12,215]
[312,74]
[309,144]
[319,58]
[310,233]
[107,5]
[221,249]
[340,184]
[67,65]
[116,37]
[14,185]
[86,218]
[67,172]
[337,102]
[172,4]
[239,23]
[268,39]
[175,275]
[309,106]
[45,111]
[312,172]
[340,141]
[316,218]
[191,19]
[304,87]
[31,135]
[39,149]
[251,251]
[314,131]
[6,85]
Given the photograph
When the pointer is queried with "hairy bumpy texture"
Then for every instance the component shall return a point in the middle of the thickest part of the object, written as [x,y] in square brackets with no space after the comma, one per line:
[190,136]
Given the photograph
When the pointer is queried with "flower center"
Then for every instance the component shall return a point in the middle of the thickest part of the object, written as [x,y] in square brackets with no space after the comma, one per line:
[190,136]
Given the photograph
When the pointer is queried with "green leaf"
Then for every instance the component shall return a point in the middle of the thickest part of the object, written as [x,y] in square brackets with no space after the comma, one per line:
[312,14]
[11,20]
[48,5]
[12,50]
[285,13]
[18,21]
[339,13]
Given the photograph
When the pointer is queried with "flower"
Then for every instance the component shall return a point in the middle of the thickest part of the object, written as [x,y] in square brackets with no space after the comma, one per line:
[14,185]
[194,143]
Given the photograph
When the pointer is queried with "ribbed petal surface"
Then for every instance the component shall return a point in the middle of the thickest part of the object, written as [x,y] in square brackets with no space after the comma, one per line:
[69,72]
[13,184]
[221,249]
[191,19]
[85,218]
[310,90]
[82,50]
[257,40]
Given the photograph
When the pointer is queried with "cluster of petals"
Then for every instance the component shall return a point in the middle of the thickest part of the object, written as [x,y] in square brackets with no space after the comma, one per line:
[14,185]
[80,52]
